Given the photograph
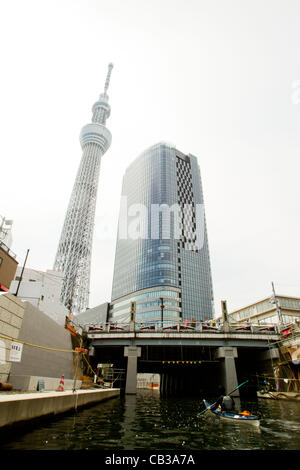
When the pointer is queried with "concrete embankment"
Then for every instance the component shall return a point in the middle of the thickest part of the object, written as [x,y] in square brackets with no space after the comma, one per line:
[20,407]
[280,395]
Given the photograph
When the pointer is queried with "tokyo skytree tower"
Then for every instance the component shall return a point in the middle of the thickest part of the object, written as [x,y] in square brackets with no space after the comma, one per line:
[73,256]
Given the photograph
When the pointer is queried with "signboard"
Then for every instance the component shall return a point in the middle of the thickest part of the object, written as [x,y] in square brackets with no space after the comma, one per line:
[132,351]
[16,352]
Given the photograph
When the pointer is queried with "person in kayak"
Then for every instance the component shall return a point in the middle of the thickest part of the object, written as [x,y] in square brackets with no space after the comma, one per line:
[224,402]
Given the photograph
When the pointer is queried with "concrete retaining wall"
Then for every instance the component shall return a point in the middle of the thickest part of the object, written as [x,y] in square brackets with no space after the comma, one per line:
[15,408]
[280,395]
[11,316]
[30,383]
[37,328]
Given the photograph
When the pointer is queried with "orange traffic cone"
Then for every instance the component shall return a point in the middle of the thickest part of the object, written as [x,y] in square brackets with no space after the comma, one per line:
[61,387]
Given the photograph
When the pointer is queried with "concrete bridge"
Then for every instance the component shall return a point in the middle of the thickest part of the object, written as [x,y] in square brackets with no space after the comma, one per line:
[196,356]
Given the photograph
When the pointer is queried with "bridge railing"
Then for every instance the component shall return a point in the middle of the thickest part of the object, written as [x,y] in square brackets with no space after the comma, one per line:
[179,326]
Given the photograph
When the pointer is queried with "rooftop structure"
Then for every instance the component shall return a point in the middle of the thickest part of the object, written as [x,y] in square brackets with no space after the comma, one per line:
[269,311]
[41,289]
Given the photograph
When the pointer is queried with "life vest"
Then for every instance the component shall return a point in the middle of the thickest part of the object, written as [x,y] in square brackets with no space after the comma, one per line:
[227,403]
[245,413]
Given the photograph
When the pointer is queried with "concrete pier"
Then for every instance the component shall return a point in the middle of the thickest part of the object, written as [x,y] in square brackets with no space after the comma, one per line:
[229,379]
[19,407]
[132,352]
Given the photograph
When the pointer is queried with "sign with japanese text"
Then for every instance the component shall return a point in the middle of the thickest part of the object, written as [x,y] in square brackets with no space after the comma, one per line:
[16,352]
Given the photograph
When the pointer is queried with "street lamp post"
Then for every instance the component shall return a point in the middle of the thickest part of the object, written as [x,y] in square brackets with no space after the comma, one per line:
[20,280]
[275,301]
[162,310]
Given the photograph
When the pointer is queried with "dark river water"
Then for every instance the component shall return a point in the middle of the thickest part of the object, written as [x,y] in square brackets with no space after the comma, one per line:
[147,421]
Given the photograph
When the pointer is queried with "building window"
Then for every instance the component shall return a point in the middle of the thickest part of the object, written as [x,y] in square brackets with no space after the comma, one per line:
[1,259]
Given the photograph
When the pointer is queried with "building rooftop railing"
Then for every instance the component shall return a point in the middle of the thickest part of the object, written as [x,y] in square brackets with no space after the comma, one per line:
[180,327]
[7,250]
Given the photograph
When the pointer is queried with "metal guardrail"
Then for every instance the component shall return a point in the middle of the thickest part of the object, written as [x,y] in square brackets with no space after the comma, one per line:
[7,250]
[173,326]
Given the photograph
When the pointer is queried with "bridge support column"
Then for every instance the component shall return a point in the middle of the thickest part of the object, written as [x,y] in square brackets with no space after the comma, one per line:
[132,353]
[228,354]
[162,384]
[166,385]
[171,384]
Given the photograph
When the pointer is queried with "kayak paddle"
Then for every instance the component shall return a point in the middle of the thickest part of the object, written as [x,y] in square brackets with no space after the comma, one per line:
[243,383]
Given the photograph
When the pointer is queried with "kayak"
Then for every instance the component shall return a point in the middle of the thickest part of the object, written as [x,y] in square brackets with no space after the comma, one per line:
[236,417]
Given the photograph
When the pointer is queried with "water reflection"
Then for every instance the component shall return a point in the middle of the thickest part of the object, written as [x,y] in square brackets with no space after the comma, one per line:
[147,421]
[128,422]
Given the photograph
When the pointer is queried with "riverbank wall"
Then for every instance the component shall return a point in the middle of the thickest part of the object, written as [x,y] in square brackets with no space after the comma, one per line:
[16,408]
[280,395]
[41,330]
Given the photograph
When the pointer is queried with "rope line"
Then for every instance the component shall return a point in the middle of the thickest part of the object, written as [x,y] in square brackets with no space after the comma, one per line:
[274,378]
[9,338]
[37,346]
[105,381]
[90,367]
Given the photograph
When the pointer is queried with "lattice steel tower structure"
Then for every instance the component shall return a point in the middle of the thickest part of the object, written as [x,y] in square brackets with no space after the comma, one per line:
[73,256]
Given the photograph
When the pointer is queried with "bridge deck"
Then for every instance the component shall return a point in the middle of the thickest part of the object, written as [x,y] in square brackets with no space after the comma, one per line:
[186,338]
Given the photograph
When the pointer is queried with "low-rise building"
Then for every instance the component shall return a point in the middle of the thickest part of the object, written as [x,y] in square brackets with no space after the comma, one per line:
[41,289]
[283,311]
[8,267]
[148,381]
[5,231]
[287,310]
[8,262]
[92,316]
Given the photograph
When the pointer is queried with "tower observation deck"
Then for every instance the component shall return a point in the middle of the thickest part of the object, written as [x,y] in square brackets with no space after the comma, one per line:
[73,256]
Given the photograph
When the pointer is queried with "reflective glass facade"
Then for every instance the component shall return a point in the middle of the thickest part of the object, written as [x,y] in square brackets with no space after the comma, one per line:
[158,252]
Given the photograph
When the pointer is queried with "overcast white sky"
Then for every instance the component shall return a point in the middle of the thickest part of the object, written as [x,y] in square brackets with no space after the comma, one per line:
[217,78]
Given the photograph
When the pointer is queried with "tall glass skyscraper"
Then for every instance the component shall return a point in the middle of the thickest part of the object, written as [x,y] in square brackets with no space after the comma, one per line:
[162,255]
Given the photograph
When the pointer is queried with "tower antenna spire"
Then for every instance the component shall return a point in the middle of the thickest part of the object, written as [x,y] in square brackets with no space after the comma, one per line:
[110,67]
[73,257]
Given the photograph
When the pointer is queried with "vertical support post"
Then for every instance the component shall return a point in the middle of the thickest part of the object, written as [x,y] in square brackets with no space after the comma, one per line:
[275,300]
[77,365]
[225,316]
[162,384]
[167,384]
[20,280]
[132,316]
[162,310]
[228,354]
[132,353]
